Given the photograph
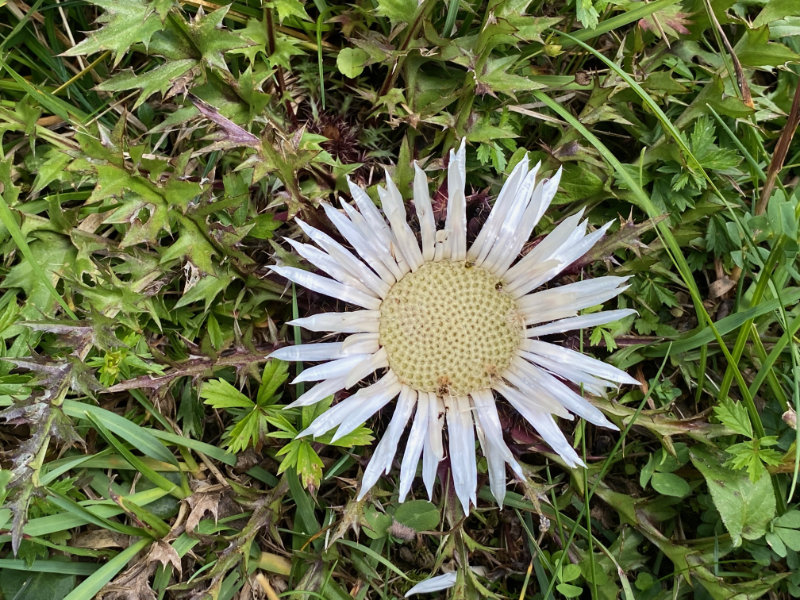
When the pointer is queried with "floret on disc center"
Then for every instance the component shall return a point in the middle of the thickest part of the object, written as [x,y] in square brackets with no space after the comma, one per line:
[449,328]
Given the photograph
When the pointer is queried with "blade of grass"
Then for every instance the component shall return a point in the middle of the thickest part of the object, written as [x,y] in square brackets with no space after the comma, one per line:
[700,337]
[42,526]
[61,567]
[154,477]
[74,508]
[373,555]
[88,589]
[135,435]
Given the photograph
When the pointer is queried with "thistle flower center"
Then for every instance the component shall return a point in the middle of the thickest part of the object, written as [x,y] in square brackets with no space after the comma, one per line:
[449,328]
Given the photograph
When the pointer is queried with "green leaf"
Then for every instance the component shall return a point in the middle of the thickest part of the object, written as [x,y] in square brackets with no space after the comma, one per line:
[39,271]
[753,455]
[755,50]
[790,537]
[351,61]
[265,224]
[746,507]
[51,169]
[419,515]
[213,40]
[159,79]
[309,465]
[570,572]
[569,591]
[497,76]
[140,466]
[670,484]
[790,519]
[376,523]
[138,437]
[208,288]
[247,431]
[127,22]
[587,14]
[291,8]
[25,584]
[193,245]
[215,334]
[734,416]
[256,34]
[776,543]
[774,10]
[221,394]
[399,11]
[275,373]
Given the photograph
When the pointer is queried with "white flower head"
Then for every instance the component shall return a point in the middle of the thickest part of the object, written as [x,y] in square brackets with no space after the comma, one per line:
[449,328]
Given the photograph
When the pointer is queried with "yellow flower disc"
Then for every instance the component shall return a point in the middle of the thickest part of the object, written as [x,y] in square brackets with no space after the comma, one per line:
[449,328]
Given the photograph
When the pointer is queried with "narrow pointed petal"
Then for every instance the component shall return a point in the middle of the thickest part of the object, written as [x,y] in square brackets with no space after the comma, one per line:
[329,265]
[542,383]
[319,392]
[434,584]
[546,426]
[591,384]
[542,196]
[546,249]
[461,433]
[496,466]
[371,214]
[346,258]
[381,461]
[535,273]
[488,235]
[542,201]
[385,244]
[486,415]
[581,322]
[357,321]
[395,211]
[422,204]
[536,397]
[329,287]
[433,449]
[456,221]
[309,352]
[566,300]
[510,234]
[360,405]
[564,256]
[333,369]
[368,365]
[414,445]
[370,402]
[550,432]
[575,360]
[376,259]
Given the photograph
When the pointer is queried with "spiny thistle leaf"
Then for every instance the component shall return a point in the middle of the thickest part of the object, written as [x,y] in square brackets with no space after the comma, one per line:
[127,22]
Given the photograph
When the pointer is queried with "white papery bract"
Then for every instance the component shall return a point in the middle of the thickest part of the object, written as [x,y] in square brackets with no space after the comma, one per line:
[450,328]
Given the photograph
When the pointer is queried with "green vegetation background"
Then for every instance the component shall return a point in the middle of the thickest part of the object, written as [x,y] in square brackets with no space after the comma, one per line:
[154,153]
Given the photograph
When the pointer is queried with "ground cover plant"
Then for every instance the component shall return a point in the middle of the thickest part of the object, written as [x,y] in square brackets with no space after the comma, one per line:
[156,153]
